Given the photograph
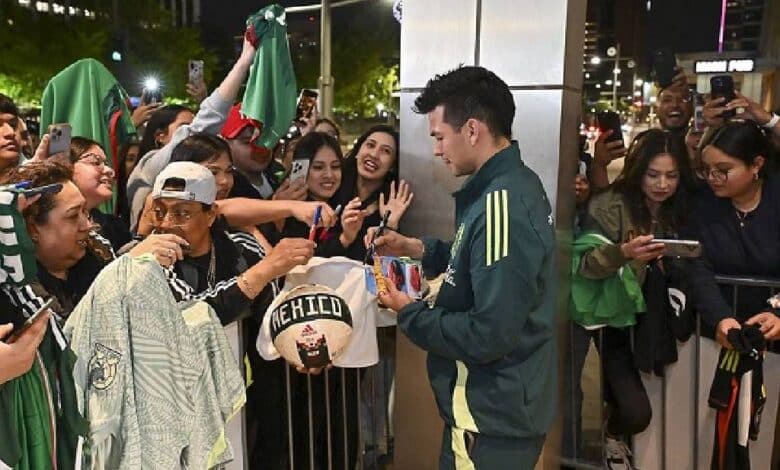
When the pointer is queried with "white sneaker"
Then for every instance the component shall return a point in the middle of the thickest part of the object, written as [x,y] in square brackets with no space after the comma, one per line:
[617,455]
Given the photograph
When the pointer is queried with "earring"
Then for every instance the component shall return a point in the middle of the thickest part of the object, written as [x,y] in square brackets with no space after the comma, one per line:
[755,176]
[34,238]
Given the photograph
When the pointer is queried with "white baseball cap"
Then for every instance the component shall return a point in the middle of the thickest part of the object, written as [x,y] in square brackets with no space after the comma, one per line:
[199,183]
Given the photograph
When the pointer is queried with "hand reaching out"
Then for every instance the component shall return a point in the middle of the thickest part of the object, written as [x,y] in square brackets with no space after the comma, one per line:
[397,203]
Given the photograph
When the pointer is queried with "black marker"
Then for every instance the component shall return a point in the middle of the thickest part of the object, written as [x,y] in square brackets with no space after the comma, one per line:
[377,234]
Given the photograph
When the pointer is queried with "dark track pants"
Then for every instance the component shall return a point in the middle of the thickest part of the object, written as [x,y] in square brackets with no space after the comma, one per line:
[461,450]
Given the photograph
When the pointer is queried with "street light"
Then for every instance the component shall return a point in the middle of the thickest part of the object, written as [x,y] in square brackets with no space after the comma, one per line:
[639,82]
[595,60]
[151,84]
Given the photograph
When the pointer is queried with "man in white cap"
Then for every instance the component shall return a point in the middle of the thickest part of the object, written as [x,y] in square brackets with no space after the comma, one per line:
[227,271]
[235,276]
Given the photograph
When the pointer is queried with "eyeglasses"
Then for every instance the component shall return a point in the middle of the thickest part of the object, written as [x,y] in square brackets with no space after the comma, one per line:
[716,174]
[93,159]
[178,218]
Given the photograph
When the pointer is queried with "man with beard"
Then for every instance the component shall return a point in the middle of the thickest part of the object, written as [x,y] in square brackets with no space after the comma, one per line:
[674,108]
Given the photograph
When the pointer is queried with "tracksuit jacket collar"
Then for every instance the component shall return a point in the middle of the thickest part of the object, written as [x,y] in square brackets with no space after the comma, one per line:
[500,163]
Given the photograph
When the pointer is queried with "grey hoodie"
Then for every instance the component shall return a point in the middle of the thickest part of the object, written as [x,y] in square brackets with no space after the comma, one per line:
[210,119]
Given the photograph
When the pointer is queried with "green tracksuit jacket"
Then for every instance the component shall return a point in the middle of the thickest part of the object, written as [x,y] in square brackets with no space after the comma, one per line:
[489,334]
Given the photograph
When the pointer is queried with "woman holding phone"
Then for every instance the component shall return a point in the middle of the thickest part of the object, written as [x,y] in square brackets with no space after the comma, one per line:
[322,154]
[647,201]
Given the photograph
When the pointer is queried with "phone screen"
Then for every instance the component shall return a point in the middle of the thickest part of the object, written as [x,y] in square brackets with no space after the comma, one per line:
[306,104]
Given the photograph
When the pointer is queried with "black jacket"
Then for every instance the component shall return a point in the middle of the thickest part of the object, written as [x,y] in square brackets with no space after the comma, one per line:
[112,228]
[732,247]
[243,188]
[235,253]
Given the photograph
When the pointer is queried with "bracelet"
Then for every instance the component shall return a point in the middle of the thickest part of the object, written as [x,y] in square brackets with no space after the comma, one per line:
[247,288]
[772,122]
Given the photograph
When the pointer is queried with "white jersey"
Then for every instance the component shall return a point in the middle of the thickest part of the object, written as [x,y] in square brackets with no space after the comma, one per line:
[347,278]
[157,383]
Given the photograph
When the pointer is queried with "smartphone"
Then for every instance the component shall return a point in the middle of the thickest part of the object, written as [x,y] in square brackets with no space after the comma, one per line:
[151,96]
[610,121]
[582,168]
[722,86]
[53,188]
[307,101]
[300,168]
[59,138]
[664,65]
[699,125]
[195,69]
[18,330]
[680,248]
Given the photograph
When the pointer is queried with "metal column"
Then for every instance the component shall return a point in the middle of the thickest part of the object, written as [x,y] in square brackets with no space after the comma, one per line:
[536,47]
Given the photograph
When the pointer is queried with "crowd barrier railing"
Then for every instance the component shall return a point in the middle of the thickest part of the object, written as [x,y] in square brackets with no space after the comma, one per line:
[681,432]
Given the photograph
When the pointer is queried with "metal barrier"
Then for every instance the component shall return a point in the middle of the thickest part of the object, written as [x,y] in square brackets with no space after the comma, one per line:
[346,422]
[681,432]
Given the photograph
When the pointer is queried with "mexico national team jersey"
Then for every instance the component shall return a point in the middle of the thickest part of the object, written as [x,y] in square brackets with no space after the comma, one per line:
[346,277]
[157,383]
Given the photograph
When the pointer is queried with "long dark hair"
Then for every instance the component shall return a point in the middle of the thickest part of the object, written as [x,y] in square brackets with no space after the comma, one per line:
[645,147]
[159,122]
[349,173]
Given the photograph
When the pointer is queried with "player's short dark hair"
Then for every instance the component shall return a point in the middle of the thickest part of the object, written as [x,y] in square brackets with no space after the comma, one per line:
[470,92]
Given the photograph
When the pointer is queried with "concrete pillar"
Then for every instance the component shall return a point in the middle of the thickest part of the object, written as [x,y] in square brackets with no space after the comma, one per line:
[536,47]
[195,12]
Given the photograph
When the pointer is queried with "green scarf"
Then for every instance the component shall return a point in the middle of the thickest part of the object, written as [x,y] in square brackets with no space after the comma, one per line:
[89,98]
[270,95]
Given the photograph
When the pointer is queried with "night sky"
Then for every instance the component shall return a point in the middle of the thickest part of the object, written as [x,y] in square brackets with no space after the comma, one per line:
[684,26]
[219,25]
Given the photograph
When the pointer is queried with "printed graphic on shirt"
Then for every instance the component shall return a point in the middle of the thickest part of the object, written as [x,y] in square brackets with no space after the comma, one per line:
[497,226]
[103,367]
